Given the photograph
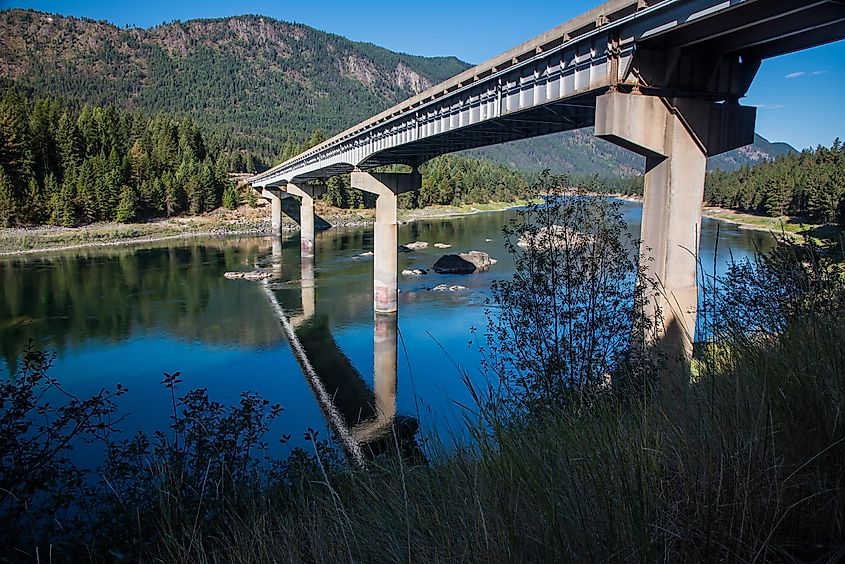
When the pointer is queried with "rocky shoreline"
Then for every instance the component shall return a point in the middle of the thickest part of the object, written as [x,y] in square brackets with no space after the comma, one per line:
[220,223]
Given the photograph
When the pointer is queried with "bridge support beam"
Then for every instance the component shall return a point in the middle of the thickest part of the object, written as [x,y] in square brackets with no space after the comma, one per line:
[306,193]
[676,137]
[387,186]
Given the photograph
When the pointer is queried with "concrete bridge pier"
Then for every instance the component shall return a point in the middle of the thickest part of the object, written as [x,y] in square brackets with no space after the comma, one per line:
[387,186]
[676,136]
[306,193]
[275,195]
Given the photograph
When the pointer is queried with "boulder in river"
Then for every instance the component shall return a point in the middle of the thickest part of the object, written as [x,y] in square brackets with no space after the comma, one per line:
[254,275]
[463,263]
[417,245]
[448,288]
[414,272]
[553,237]
[442,245]
[403,249]
[453,264]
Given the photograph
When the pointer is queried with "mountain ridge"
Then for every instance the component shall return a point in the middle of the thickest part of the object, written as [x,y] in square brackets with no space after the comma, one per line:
[258,83]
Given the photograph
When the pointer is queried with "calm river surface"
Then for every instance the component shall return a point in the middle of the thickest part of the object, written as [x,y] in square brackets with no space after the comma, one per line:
[126,315]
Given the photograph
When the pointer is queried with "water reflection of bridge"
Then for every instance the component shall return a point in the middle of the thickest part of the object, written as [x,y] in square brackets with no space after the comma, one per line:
[364,420]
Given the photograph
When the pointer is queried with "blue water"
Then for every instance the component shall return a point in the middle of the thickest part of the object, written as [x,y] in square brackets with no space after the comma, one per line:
[126,315]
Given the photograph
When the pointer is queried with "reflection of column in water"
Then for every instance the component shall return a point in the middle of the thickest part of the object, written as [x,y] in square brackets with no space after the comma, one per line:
[276,255]
[307,286]
[384,348]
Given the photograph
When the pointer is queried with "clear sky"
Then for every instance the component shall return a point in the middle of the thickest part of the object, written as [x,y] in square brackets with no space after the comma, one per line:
[799,95]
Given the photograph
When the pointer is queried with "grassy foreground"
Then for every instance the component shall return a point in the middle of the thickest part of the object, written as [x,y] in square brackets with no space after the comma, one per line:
[749,465]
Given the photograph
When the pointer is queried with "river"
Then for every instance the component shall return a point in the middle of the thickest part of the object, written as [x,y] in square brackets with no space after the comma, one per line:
[126,315]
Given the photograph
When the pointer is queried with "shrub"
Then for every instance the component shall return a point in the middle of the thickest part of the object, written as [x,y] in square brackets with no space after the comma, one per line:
[231,198]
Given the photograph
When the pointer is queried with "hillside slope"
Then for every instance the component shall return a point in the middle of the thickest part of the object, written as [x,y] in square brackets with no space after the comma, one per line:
[255,83]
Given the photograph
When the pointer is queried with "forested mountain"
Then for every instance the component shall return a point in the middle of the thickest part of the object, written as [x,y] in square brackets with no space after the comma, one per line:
[254,83]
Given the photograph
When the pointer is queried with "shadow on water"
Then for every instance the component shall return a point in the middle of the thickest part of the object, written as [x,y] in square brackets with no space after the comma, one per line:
[363,420]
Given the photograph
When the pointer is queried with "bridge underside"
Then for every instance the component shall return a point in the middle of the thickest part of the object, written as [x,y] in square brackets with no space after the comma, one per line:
[555,117]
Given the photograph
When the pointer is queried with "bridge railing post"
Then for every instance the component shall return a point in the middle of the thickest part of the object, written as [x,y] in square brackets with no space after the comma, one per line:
[676,137]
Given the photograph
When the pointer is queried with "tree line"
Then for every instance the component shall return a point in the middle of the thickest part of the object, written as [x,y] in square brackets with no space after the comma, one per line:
[68,167]
[809,184]
[446,180]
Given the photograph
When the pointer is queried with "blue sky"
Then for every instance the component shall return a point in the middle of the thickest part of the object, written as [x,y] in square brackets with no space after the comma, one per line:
[799,95]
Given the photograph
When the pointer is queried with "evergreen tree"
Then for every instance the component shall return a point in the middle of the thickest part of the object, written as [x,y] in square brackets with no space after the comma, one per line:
[231,199]
[7,200]
[128,206]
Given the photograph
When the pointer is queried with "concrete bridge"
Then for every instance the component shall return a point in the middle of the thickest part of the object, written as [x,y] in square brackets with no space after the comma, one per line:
[662,78]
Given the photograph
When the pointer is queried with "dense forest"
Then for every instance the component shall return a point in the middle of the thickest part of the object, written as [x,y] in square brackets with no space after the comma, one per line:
[68,168]
[809,184]
[103,164]
[251,82]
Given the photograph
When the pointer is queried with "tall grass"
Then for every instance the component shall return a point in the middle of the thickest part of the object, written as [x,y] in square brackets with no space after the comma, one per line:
[750,470]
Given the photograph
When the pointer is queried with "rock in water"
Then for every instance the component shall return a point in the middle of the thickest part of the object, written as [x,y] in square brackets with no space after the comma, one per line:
[447,288]
[464,263]
[254,275]
[554,237]
[442,245]
[480,259]
[413,272]
[453,264]
[403,249]
[417,245]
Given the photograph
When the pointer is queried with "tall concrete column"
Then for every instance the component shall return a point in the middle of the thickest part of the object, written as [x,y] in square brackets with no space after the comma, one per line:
[675,136]
[385,258]
[306,226]
[306,193]
[385,275]
[276,210]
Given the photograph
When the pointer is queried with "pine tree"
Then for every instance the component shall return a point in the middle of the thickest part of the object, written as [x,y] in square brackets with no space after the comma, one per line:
[8,205]
[336,193]
[128,206]
[67,212]
[231,199]
[35,204]
[67,140]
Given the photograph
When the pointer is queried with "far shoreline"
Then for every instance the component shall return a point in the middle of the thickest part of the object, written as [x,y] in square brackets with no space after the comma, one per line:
[220,223]
[254,222]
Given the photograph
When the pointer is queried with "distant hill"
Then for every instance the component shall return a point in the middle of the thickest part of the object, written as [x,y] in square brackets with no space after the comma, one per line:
[254,83]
